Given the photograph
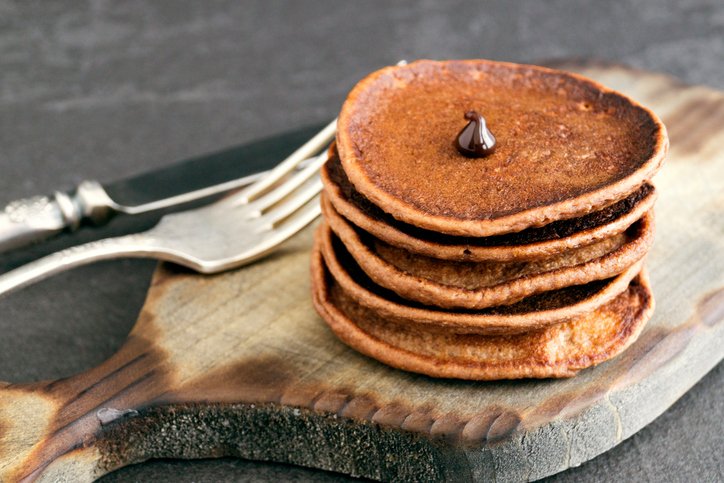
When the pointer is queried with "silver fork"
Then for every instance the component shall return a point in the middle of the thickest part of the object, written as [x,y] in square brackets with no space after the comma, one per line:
[234,231]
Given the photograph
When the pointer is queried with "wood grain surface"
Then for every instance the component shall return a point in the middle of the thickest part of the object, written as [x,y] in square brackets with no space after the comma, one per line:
[239,363]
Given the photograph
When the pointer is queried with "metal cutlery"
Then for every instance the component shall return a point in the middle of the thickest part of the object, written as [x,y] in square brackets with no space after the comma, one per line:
[170,188]
[229,233]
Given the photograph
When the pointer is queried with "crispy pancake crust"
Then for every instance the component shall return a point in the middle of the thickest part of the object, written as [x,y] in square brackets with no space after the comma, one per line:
[531,244]
[557,351]
[567,145]
[531,313]
[478,285]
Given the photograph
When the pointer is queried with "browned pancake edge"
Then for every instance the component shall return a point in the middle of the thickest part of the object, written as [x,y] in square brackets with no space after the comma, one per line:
[527,245]
[535,312]
[556,351]
[444,283]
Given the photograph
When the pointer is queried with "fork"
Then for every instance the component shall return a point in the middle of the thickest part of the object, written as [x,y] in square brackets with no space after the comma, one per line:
[229,233]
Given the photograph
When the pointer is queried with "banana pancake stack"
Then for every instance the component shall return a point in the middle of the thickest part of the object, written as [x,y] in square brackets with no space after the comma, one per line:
[487,220]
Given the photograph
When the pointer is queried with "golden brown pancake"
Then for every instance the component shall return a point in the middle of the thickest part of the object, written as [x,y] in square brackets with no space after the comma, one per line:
[555,351]
[567,146]
[531,313]
[477,285]
[533,243]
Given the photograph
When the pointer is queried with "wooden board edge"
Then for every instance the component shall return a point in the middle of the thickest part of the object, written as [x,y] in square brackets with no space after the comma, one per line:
[361,448]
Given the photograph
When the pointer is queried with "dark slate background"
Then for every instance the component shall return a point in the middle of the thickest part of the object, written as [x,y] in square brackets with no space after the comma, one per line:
[101,89]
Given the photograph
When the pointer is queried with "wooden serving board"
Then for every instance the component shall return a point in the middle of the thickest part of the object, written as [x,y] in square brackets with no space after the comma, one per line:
[239,363]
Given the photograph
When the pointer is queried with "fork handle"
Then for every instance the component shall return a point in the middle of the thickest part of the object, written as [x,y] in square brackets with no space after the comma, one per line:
[134,245]
[31,220]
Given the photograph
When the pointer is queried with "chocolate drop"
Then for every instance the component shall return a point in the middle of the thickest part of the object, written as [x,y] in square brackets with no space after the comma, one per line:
[475,140]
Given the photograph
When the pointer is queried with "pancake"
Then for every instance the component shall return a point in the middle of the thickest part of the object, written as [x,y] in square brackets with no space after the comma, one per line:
[556,351]
[567,146]
[533,243]
[531,313]
[477,285]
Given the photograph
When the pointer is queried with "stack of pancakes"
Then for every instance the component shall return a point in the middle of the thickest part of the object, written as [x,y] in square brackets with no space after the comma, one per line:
[527,262]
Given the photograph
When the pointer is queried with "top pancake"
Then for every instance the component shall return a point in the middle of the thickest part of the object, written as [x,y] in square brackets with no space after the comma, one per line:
[566,145]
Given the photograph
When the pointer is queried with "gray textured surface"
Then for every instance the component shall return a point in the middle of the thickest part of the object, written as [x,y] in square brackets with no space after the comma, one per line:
[104,90]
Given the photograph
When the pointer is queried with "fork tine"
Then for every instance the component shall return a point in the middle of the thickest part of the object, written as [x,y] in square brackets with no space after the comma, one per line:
[311,147]
[300,218]
[280,192]
[276,237]
[295,202]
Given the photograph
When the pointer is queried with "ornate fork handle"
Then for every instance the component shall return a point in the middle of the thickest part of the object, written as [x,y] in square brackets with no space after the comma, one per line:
[35,219]
[135,245]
